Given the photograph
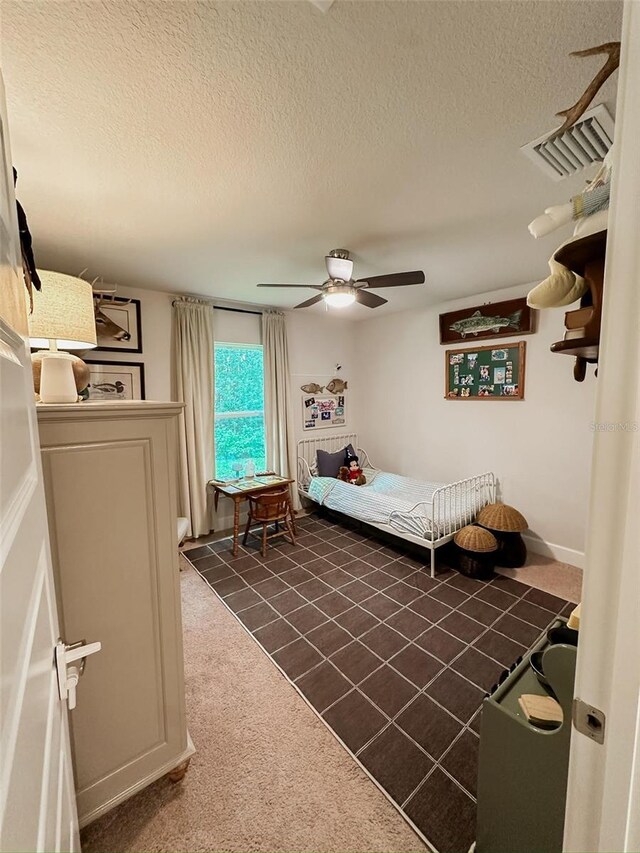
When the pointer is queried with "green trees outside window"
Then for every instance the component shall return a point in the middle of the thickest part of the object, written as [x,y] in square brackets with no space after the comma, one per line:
[239,408]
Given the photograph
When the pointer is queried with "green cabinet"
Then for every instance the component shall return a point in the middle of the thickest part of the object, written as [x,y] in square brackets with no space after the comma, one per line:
[522,773]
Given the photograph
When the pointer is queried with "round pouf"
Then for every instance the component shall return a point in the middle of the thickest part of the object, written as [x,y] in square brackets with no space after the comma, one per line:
[475,551]
[506,524]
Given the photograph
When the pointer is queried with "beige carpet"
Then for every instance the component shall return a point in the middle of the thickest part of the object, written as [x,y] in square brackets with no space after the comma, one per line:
[267,774]
[561,579]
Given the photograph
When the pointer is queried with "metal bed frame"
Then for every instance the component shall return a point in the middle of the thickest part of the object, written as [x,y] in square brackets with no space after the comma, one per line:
[452,507]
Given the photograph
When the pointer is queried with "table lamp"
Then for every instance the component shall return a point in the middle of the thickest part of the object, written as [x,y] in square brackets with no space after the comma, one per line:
[62,319]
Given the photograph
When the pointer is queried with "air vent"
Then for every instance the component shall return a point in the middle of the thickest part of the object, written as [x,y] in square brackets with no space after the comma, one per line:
[585,143]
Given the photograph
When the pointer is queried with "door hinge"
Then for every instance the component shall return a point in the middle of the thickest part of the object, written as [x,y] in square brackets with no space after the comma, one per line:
[70,662]
[588,720]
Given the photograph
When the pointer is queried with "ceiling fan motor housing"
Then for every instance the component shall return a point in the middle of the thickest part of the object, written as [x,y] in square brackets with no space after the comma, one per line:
[339,266]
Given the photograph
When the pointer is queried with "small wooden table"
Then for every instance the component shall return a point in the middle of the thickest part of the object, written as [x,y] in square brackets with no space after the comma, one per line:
[240,490]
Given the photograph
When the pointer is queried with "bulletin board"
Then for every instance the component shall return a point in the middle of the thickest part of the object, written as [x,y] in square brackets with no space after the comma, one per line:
[485,373]
[320,411]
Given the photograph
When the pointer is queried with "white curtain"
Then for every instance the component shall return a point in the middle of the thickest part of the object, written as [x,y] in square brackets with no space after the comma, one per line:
[277,398]
[193,379]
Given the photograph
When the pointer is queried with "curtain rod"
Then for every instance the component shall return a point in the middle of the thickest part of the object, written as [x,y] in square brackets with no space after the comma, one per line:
[237,310]
[224,307]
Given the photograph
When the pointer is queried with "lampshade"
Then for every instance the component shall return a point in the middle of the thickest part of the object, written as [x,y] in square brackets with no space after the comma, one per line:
[63,312]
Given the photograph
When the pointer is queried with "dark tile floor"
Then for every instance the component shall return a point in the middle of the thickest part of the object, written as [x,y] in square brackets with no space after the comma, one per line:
[397,663]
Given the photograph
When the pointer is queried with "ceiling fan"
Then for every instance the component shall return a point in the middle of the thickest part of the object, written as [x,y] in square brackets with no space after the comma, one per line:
[340,290]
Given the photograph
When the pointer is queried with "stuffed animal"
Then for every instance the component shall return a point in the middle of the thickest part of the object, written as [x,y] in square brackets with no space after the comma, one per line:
[355,474]
[343,474]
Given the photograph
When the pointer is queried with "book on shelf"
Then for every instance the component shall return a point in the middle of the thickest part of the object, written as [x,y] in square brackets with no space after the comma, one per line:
[574,334]
[578,318]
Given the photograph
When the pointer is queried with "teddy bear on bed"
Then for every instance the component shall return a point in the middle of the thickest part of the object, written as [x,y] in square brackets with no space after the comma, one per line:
[355,475]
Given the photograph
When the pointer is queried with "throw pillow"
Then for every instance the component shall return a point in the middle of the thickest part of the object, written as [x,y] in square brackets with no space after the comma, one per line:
[329,463]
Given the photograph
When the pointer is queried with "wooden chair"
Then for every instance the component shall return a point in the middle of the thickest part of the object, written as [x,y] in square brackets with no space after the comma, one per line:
[270,508]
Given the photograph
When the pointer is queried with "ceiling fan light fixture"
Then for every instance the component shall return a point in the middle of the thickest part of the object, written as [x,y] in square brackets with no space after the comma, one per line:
[339,296]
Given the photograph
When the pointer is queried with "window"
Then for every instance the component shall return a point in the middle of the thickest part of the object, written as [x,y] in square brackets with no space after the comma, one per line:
[239,408]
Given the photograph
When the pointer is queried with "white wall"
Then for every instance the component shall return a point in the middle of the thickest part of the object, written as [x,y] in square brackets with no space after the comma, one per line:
[539,448]
[317,342]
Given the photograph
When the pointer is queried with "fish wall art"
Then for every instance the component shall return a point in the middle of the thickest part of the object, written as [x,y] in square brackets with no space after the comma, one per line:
[495,320]
[336,386]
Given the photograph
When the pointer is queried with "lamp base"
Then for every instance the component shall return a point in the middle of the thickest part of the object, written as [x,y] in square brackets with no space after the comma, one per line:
[57,382]
[80,370]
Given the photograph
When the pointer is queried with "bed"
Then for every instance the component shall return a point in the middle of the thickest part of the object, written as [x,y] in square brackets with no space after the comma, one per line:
[425,513]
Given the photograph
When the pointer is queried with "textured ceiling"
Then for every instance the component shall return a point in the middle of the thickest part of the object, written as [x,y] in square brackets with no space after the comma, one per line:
[206,146]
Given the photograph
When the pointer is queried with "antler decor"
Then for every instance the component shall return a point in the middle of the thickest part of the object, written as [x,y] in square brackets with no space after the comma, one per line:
[612,48]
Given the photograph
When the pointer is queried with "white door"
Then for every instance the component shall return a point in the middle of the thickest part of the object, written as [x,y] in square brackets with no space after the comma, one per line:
[37,798]
[603,797]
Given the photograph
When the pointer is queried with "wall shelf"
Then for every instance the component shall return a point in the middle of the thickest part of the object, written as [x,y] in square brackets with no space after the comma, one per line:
[585,257]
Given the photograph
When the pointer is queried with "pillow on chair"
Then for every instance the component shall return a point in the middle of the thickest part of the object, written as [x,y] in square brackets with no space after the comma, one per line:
[329,463]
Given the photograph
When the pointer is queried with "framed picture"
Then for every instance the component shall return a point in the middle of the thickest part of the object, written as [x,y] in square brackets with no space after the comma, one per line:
[485,373]
[115,380]
[496,320]
[118,324]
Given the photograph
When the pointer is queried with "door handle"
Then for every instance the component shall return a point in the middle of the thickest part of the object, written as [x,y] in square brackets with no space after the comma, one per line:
[70,660]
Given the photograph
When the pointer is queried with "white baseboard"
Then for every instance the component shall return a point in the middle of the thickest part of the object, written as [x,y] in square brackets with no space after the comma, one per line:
[555,552]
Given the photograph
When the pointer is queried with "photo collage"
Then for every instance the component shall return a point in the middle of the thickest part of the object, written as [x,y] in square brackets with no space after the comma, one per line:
[323,411]
[485,372]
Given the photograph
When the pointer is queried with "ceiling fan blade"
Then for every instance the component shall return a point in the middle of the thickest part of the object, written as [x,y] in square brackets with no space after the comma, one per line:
[371,300]
[309,302]
[397,279]
[312,286]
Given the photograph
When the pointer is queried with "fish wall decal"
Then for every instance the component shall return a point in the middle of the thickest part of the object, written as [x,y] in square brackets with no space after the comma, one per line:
[312,388]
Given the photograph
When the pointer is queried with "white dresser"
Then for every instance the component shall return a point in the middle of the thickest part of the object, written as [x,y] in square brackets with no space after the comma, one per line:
[110,481]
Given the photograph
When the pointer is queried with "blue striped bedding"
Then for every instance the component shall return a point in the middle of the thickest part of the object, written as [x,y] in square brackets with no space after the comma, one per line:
[386,499]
